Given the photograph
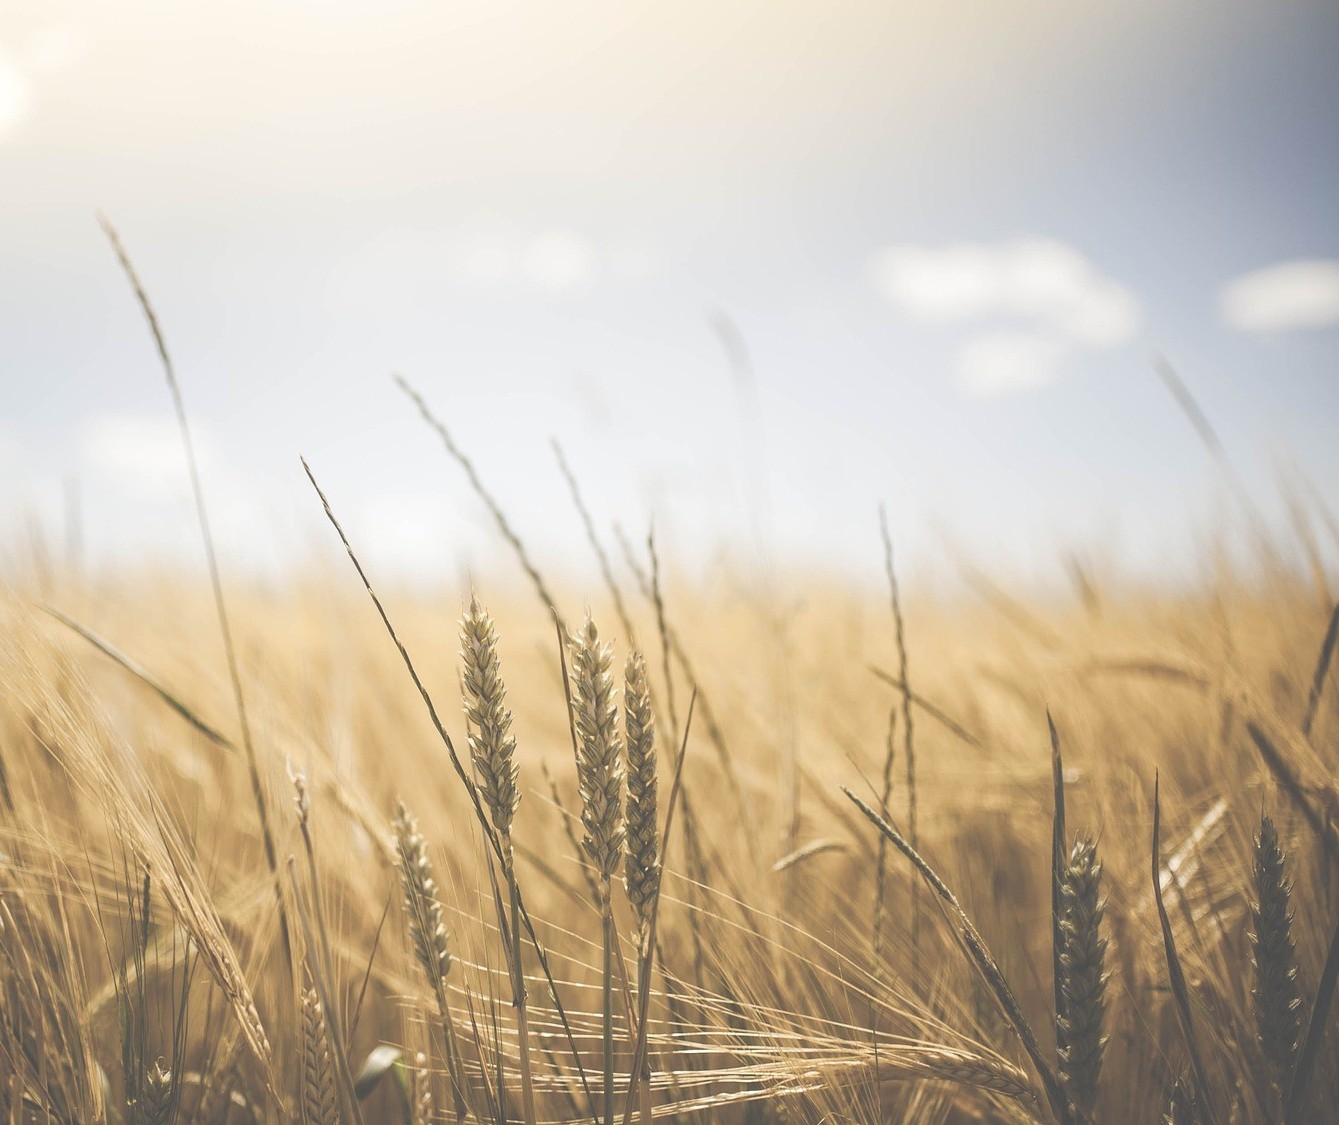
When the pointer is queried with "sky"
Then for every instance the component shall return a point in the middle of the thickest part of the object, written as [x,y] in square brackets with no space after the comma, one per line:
[758,267]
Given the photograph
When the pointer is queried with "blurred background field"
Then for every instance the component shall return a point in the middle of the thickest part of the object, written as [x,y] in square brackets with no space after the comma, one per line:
[771,984]
[699,297]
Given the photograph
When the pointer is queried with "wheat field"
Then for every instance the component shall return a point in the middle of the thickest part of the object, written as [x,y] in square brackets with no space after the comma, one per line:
[826,864]
[643,844]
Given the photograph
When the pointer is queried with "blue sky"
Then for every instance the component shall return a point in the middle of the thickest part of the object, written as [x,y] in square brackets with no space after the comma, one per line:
[951,236]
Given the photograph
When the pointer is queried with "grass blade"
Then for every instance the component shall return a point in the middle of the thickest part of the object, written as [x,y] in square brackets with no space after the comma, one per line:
[1327,647]
[1315,1032]
[980,956]
[1058,837]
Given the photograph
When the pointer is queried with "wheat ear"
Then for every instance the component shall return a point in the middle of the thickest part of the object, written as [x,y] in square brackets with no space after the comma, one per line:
[427,932]
[493,751]
[320,1105]
[599,751]
[420,1092]
[600,773]
[1278,1004]
[641,869]
[1083,982]
[156,1095]
[492,746]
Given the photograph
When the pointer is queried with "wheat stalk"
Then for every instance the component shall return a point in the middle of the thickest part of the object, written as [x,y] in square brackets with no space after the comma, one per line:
[975,1071]
[493,751]
[908,736]
[599,752]
[1083,982]
[420,1092]
[641,869]
[427,931]
[1277,1002]
[319,1102]
[600,774]
[978,953]
[215,579]
[492,745]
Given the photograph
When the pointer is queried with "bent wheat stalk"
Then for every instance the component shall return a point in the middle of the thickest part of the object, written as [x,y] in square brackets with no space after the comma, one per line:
[979,954]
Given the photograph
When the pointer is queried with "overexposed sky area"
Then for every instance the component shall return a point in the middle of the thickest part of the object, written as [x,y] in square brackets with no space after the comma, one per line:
[949,237]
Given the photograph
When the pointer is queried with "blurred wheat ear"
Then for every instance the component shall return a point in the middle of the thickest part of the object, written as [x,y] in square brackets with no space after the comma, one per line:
[1083,981]
[320,1104]
[428,935]
[1278,1003]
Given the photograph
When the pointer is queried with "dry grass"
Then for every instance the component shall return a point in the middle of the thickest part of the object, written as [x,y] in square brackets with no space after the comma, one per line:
[768,954]
[140,938]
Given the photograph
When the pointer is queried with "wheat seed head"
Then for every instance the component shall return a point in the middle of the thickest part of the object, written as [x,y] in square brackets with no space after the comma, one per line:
[320,1104]
[492,746]
[599,749]
[641,869]
[426,928]
[1083,981]
[156,1096]
[1277,1001]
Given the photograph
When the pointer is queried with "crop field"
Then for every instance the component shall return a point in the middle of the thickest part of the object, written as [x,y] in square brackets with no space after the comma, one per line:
[608,563]
[656,845]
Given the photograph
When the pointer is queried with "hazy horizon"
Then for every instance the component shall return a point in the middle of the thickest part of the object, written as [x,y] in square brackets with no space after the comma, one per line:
[950,241]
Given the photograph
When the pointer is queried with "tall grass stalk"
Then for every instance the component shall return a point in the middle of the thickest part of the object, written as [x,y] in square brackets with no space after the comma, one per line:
[215,580]
[908,729]
[600,773]
[493,751]
[642,865]
[472,790]
[320,961]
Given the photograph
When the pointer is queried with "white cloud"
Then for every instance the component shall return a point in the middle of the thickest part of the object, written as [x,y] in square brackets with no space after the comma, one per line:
[139,456]
[13,96]
[1035,279]
[1006,362]
[559,260]
[1300,294]
[1060,300]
